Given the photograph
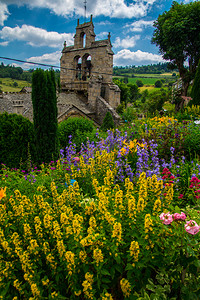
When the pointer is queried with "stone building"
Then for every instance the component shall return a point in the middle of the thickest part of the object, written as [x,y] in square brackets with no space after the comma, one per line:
[87,89]
[87,68]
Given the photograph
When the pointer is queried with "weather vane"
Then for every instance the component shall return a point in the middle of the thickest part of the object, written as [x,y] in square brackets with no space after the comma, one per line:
[85,3]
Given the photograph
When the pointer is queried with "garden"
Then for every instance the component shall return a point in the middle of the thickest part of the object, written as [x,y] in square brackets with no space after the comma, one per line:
[115,217]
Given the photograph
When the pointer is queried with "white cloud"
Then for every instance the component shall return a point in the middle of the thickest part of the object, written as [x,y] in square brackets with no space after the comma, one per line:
[128,42]
[4,13]
[4,44]
[126,57]
[102,35]
[36,36]
[109,8]
[104,23]
[138,26]
[48,58]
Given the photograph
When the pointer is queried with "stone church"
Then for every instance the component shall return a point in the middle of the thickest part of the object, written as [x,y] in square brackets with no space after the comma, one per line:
[87,88]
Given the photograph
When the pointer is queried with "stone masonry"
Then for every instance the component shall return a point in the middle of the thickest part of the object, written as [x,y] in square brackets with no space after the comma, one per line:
[86,81]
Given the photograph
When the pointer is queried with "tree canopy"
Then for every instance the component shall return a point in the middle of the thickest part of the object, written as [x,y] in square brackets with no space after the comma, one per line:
[177,34]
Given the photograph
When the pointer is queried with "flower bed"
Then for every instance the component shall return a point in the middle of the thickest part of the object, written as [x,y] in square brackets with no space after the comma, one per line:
[112,222]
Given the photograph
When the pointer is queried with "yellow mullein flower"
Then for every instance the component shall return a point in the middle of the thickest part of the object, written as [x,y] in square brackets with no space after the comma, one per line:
[2,193]
[69,256]
[83,256]
[140,204]
[157,206]
[148,223]
[117,231]
[107,296]
[134,250]
[35,290]
[87,285]
[125,287]
[131,206]
[97,255]
[77,293]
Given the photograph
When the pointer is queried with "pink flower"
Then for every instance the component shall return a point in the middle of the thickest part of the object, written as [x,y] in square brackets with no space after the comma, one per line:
[180,216]
[180,196]
[192,227]
[77,159]
[166,218]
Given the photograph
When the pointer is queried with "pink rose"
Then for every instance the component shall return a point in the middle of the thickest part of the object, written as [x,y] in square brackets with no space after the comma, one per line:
[180,216]
[166,218]
[192,227]
[77,159]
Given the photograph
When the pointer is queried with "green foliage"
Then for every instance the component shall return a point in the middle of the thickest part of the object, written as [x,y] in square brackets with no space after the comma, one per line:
[45,115]
[177,34]
[133,92]
[15,84]
[155,101]
[158,84]
[78,128]
[195,93]
[192,142]
[129,114]
[139,83]
[124,95]
[120,108]
[16,136]
[108,122]
[148,69]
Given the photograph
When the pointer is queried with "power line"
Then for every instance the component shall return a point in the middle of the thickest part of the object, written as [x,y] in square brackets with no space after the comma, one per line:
[46,65]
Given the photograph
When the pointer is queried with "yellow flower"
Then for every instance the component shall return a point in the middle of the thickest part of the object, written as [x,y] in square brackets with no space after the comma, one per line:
[134,250]
[125,286]
[117,231]
[148,223]
[98,256]
[87,285]
[2,192]
[107,296]
[77,293]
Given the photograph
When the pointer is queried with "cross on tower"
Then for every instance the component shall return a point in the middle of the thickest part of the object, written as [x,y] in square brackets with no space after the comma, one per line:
[85,3]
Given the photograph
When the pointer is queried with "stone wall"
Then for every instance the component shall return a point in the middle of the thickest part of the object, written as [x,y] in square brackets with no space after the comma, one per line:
[102,107]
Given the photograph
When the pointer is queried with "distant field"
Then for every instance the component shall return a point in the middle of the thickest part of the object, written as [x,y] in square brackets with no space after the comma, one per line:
[150,79]
[7,85]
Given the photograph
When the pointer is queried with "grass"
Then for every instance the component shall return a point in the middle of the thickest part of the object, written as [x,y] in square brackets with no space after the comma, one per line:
[7,84]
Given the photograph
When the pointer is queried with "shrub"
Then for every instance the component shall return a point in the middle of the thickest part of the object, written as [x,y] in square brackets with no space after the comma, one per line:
[16,136]
[108,122]
[139,83]
[78,128]
[195,93]
[158,84]
[192,142]
[45,115]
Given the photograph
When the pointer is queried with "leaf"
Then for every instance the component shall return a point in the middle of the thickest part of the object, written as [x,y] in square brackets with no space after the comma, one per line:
[105,280]
[129,267]
[105,272]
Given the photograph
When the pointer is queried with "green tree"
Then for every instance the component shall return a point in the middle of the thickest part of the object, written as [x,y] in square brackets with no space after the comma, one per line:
[45,115]
[195,93]
[155,101]
[158,84]
[177,34]
[124,95]
[15,84]
[139,83]
[16,138]
[133,92]
[108,122]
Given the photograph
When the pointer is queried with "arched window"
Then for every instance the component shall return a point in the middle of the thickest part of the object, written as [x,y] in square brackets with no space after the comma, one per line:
[82,39]
[78,67]
[86,67]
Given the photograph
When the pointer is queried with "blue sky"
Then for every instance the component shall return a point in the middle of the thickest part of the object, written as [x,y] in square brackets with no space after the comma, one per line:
[35,30]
